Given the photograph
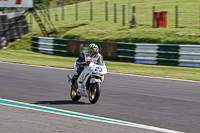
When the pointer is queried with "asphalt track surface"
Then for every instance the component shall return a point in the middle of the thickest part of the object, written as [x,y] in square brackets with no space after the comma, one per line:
[164,103]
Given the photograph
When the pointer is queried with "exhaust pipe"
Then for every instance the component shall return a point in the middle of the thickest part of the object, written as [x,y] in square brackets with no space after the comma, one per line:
[69,79]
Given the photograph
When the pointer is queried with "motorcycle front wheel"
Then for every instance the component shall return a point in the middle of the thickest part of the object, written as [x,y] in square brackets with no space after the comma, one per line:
[74,95]
[94,93]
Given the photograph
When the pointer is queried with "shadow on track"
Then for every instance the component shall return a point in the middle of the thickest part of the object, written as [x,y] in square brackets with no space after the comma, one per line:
[59,102]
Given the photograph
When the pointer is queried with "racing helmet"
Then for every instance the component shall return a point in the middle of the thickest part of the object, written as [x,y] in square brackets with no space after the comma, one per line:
[93,49]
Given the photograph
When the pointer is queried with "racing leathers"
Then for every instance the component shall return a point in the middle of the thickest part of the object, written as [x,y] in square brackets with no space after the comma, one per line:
[84,57]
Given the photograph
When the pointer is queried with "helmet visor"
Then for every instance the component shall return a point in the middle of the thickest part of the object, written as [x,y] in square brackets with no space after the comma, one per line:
[94,51]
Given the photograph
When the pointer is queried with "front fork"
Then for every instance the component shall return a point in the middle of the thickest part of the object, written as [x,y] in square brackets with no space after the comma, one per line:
[70,81]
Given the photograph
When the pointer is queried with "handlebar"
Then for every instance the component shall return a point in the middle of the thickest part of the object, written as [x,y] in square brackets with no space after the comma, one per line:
[85,63]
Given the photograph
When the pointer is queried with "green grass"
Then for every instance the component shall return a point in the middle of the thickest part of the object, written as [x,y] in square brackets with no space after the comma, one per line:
[23,43]
[30,57]
[99,29]
[118,33]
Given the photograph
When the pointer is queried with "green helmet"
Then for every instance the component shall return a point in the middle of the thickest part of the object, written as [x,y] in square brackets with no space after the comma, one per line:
[93,49]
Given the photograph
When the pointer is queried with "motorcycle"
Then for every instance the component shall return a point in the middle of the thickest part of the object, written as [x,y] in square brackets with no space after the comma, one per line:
[89,82]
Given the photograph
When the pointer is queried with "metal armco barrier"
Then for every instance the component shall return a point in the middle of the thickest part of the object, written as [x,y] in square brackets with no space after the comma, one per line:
[72,47]
[160,54]
[156,54]
[49,45]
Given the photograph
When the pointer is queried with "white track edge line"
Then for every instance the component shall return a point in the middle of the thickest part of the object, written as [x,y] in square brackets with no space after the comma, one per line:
[135,125]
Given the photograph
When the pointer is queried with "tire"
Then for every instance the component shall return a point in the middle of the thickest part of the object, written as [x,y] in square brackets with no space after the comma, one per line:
[74,95]
[94,93]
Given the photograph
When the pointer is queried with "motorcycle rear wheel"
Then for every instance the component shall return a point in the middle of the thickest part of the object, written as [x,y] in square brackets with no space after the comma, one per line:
[74,95]
[94,93]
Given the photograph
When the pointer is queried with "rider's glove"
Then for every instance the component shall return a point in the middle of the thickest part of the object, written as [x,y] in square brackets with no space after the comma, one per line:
[88,63]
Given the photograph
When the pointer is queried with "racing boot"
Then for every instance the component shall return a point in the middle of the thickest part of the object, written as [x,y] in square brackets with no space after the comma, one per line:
[74,78]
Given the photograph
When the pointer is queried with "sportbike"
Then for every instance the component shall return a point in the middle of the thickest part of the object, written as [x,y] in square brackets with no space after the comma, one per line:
[89,82]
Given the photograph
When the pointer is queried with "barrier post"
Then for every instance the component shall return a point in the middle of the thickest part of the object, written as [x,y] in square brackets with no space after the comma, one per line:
[115,13]
[76,10]
[176,16]
[56,14]
[106,10]
[63,11]
[153,17]
[123,15]
[91,11]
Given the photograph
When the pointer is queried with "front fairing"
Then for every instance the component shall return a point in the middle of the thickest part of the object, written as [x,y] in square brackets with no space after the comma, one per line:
[99,69]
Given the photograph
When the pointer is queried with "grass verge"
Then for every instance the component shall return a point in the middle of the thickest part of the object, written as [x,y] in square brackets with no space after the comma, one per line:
[118,33]
[30,57]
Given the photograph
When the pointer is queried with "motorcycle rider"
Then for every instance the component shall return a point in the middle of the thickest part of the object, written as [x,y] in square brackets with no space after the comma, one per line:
[93,53]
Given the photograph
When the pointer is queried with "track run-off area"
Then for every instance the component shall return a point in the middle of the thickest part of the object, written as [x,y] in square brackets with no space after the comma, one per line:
[37,99]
